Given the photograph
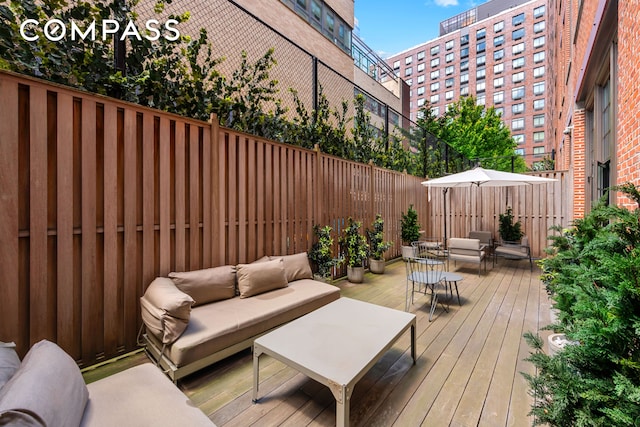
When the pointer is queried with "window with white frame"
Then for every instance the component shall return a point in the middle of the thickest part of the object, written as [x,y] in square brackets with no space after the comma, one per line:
[517,77]
[538,88]
[420,91]
[449,70]
[448,82]
[481,100]
[481,33]
[498,54]
[420,102]
[464,90]
[449,44]
[498,97]
[448,95]
[480,87]
[435,74]
[538,56]
[420,67]
[538,72]
[435,62]
[396,65]
[420,79]
[538,104]
[517,108]
[517,49]
[498,26]
[517,124]
[539,11]
[434,99]
[538,120]
[464,65]
[464,52]
[518,138]
[464,77]
[435,50]
[481,59]
[538,42]
[498,68]
[435,87]
[449,57]
[420,55]
[517,63]
[408,60]
[481,47]
[517,92]
[498,82]
[519,151]
[539,27]
[408,71]
[481,73]
[538,151]
[538,137]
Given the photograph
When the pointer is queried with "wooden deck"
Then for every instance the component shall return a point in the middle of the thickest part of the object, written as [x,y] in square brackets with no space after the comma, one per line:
[468,371]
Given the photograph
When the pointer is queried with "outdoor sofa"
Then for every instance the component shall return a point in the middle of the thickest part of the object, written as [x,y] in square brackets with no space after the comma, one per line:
[46,388]
[196,318]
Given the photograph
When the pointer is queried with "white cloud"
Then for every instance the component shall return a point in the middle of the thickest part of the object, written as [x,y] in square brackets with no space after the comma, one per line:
[446,3]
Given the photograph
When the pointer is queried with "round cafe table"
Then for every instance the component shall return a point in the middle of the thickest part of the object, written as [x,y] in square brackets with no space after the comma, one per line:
[452,279]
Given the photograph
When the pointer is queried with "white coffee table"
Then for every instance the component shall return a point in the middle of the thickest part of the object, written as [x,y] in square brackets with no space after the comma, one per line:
[336,345]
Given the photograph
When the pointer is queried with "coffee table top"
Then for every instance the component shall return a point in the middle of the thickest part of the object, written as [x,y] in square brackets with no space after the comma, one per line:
[339,341]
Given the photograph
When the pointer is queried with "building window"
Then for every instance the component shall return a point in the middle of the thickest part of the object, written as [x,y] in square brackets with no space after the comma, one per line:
[449,70]
[498,68]
[517,124]
[420,102]
[498,41]
[396,65]
[517,92]
[498,26]
[464,90]
[517,20]
[517,48]
[481,59]
[421,79]
[435,74]
[408,71]
[481,100]
[499,111]
[481,73]
[538,88]
[538,151]
[464,78]
[538,56]
[448,45]
[464,52]
[481,33]
[538,137]
[538,72]
[480,86]
[538,42]
[435,50]
[448,95]
[538,120]
[498,82]
[517,77]
[448,82]
[538,104]
[517,34]
[420,67]
[420,55]
[323,19]
[409,82]
[420,91]
[519,151]
[464,40]
[498,54]
[408,60]
[435,87]
[539,11]
[517,108]
[539,27]
[517,63]
[449,57]
[518,139]
[435,62]
[498,97]
[435,111]
[481,47]
[434,99]
[464,65]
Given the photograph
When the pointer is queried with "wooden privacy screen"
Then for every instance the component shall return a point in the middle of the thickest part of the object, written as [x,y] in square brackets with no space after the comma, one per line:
[98,197]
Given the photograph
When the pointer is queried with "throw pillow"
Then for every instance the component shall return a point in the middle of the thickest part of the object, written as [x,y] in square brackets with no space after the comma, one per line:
[47,390]
[165,310]
[9,362]
[254,279]
[296,266]
[207,285]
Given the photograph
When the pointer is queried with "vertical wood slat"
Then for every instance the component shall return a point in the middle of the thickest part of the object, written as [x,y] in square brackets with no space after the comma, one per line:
[251,200]
[10,291]
[219,193]
[164,157]
[194,199]
[232,192]
[130,228]
[148,199]
[242,199]
[180,197]
[207,162]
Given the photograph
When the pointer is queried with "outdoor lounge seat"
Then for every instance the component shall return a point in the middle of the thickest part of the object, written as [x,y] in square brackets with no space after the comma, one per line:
[467,250]
[515,250]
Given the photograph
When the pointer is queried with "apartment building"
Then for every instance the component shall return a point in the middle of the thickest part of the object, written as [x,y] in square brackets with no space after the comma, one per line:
[496,52]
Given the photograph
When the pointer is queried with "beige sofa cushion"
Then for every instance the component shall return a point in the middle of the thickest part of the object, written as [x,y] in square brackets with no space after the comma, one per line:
[47,390]
[165,309]
[217,326]
[296,266]
[254,279]
[140,396]
[207,285]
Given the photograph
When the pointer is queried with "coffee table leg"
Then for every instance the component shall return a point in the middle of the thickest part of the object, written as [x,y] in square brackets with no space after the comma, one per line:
[256,371]
[342,409]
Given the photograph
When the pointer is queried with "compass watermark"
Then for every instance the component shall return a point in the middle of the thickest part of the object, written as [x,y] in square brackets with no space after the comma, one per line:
[56,30]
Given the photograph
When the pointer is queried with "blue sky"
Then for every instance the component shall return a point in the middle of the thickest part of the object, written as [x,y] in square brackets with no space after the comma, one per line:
[391,26]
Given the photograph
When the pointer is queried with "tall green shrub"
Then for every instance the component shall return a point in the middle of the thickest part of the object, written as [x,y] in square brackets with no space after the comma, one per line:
[593,277]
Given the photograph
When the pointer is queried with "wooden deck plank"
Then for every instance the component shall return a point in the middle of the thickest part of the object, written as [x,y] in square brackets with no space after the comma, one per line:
[467,372]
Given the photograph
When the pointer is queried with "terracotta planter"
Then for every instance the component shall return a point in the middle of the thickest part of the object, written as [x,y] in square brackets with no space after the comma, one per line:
[376,266]
[355,274]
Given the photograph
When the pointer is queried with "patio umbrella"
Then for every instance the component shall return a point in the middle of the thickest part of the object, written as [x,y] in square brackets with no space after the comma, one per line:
[481,177]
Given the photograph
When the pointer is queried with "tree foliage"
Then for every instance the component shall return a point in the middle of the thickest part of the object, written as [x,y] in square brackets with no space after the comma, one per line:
[593,277]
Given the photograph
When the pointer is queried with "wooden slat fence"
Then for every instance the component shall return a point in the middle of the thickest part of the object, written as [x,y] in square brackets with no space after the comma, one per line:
[99,196]
[538,207]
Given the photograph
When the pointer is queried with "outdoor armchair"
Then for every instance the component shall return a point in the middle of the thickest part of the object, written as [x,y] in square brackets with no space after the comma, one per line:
[467,250]
[515,250]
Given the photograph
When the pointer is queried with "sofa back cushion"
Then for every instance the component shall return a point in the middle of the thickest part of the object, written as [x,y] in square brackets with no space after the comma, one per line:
[254,279]
[9,362]
[165,309]
[207,285]
[296,267]
[47,390]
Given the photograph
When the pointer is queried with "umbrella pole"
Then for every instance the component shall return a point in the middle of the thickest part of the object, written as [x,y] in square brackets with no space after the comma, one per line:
[444,200]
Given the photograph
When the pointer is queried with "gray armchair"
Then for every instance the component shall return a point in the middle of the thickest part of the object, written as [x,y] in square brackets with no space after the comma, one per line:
[515,250]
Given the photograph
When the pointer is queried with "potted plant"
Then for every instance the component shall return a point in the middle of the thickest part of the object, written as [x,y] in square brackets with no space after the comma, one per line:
[355,249]
[508,230]
[321,253]
[409,231]
[377,245]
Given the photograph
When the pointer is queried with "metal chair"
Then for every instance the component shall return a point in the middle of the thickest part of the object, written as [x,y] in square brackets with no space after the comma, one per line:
[425,273]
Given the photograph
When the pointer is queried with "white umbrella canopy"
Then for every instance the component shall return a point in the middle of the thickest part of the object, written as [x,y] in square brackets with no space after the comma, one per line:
[481,177]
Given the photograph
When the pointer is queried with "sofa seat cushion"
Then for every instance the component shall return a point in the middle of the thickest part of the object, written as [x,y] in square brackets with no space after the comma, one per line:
[214,327]
[467,258]
[512,251]
[141,396]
